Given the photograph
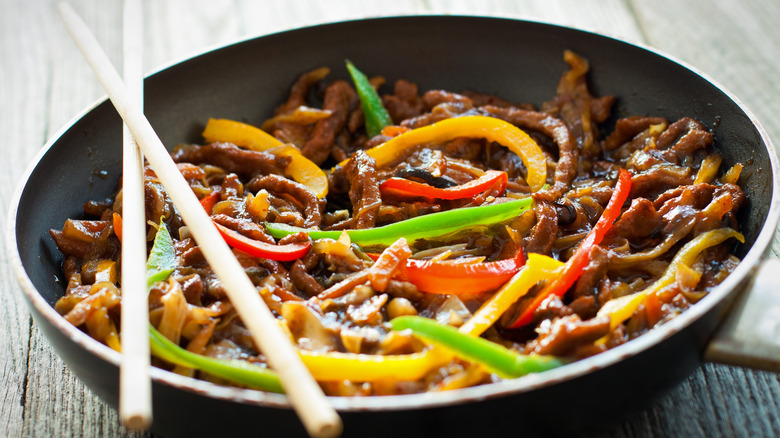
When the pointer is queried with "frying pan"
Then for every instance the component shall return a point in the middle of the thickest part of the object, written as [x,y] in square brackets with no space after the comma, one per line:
[520,61]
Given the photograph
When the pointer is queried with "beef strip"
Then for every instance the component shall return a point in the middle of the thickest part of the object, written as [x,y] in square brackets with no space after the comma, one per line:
[566,169]
[363,190]
[565,334]
[245,163]
[543,233]
[339,98]
[303,281]
[638,222]
[404,103]
[658,179]
[593,273]
[276,184]
[300,90]
[573,103]
[683,138]
[627,128]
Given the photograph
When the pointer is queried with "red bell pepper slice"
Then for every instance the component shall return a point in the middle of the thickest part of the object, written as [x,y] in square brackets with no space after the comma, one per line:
[256,248]
[574,266]
[451,277]
[209,201]
[407,188]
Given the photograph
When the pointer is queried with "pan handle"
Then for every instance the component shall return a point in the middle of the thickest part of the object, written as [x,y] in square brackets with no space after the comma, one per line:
[750,335]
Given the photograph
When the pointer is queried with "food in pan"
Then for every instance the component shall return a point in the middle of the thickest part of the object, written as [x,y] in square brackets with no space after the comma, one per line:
[421,242]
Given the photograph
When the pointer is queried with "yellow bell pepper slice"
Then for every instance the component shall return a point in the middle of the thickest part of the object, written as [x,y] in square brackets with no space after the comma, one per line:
[337,366]
[303,170]
[538,267]
[334,366]
[300,169]
[490,128]
[620,309]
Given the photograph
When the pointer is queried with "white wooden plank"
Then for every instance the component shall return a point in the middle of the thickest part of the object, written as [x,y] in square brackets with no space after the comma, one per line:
[181,28]
[610,17]
[265,17]
[23,78]
[58,404]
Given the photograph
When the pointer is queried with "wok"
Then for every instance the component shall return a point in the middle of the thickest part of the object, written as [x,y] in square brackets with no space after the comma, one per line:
[520,61]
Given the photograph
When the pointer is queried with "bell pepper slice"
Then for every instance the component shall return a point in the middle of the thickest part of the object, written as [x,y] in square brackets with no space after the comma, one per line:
[300,169]
[496,358]
[116,221]
[620,309]
[406,188]
[490,128]
[374,112]
[538,268]
[334,366]
[451,277]
[579,260]
[420,227]
[209,201]
[256,248]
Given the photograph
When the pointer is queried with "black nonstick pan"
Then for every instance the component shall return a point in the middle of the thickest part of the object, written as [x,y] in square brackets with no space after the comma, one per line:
[520,61]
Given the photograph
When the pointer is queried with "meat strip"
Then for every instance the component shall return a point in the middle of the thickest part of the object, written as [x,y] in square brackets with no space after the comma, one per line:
[339,98]
[658,179]
[243,162]
[405,101]
[303,281]
[574,104]
[434,98]
[543,233]
[594,271]
[363,190]
[627,128]
[683,138]
[276,184]
[566,169]
[300,89]
[567,333]
[638,222]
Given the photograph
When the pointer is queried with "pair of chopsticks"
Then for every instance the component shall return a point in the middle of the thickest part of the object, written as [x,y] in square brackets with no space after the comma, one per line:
[317,415]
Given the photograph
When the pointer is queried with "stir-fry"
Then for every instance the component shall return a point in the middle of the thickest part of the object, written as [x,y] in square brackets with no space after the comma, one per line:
[412,242]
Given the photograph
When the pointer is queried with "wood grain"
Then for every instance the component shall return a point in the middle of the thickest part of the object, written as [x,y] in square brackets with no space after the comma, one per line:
[45,83]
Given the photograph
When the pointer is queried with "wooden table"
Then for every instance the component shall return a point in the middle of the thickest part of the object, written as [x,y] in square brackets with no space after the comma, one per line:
[45,83]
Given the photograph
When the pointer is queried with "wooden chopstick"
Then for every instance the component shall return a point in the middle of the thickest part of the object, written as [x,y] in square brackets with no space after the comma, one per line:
[135,387]
[317,415]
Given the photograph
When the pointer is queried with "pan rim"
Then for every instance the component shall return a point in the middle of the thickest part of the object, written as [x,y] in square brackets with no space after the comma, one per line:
[427,400]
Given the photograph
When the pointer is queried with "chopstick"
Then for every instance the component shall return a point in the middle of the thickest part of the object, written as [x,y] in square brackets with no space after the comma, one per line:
[317,415]
[135,387]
